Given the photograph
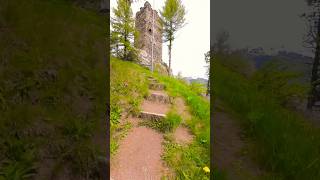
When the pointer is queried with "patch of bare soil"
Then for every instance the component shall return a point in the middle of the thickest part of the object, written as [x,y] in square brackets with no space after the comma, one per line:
[139,156]
[182,135]
[158,108]
[182,109]
[228,149]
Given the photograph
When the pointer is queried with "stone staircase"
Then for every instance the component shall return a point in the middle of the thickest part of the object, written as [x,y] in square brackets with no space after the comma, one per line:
[157,104]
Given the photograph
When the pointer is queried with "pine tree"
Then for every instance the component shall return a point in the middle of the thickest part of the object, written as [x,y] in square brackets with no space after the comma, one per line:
[172,19]
[123,31]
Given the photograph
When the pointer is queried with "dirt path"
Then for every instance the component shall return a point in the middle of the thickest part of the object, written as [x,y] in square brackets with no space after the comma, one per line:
[139,153]
[139,156]
[182,134]
[229,148]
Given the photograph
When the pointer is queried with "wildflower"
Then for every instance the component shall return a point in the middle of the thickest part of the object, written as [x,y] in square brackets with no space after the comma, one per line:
[206,169]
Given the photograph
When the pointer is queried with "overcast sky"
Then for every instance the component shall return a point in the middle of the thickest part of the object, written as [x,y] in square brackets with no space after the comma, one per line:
[266,23]
[191,42]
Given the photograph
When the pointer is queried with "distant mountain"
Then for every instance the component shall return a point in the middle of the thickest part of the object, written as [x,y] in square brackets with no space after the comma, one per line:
[291,60]
[260,57]
[198,80]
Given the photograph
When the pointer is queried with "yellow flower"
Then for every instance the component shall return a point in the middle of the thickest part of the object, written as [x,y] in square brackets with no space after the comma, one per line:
[206,169]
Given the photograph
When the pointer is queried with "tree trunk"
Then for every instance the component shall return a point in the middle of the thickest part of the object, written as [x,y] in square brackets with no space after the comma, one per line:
[170,46]
[125,47]
[208,86]
[117,51]
[315,67]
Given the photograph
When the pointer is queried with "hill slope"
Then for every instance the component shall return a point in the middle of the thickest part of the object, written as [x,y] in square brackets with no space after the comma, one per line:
[285,144]
[52,90]
[129,91]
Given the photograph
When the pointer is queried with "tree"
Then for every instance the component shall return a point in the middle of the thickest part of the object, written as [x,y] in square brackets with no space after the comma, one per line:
[221,46]
[312,41]
[207,58]
[123,30]
[172,19]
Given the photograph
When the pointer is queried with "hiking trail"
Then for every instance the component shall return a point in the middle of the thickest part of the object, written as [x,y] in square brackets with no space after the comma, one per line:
[139,153]
[230,154]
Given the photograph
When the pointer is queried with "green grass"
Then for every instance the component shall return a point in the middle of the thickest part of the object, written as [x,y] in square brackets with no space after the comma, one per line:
[286,144]
[52,88]
[188,161]
[128,87]
[169,124]
[198,105]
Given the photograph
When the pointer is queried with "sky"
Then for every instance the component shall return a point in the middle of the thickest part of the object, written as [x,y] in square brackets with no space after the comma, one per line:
[265,23]
[192,41]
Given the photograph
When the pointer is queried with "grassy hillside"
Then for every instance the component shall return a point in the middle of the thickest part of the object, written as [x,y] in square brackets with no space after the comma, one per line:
[186,162]
[52,90]
[126,95]
[285,144]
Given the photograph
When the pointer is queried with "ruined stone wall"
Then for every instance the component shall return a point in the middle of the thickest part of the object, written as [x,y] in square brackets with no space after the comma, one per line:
[144,42]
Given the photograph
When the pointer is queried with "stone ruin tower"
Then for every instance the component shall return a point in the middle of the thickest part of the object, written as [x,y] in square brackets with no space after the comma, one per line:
[144,41]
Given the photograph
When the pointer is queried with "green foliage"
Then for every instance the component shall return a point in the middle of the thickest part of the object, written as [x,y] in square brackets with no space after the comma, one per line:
[286,144]
[199,106]
[172,19]
[169,124]
[16,170]
[128,87]
[113,146]
[187,161]
[123,31]
[119,133]
[279,83]
[115,114]
[198,88]
[20,161]
[52,86]
[236,62]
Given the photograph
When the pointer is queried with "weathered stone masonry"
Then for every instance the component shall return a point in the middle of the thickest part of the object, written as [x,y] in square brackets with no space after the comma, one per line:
[144,42]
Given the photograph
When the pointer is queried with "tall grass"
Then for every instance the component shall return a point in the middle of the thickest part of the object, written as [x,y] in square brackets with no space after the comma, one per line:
[188,161]
[128,87]
[286,144]
[52,87]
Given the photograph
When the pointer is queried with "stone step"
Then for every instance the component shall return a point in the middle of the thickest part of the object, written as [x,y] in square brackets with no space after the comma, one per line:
[159,97]
[151,116]
[156,86]
[153,80]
